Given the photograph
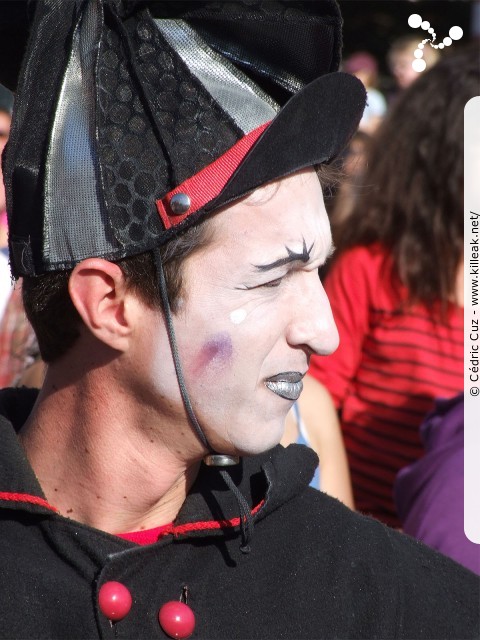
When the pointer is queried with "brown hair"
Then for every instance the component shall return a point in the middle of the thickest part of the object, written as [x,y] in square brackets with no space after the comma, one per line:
[55,319]
[408,44]
[412,201]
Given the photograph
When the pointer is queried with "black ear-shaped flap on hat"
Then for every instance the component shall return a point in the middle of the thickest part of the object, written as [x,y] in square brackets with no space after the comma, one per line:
[312,128]
[282,46]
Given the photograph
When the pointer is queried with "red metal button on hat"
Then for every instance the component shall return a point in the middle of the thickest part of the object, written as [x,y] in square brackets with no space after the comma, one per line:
[114,600]
[177,620]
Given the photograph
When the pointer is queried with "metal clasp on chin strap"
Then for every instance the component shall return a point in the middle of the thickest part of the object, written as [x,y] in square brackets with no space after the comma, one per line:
[220,460]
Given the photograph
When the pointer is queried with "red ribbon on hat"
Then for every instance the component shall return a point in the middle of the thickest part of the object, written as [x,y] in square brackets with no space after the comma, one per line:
[209,181]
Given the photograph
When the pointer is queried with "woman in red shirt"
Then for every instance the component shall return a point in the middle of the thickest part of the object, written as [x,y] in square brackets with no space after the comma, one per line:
[396,284]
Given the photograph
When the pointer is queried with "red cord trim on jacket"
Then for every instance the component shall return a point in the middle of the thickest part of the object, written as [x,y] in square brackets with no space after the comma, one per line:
[26,497]
[209,181]
[208,524]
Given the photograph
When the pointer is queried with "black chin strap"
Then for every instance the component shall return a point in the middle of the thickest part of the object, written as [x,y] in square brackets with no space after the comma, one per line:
[246,520]
[174,348]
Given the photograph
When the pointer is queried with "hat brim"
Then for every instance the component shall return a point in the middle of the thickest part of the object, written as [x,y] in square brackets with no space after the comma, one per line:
[312,128]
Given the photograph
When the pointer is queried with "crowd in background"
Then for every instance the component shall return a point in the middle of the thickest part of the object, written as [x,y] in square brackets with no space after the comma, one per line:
[385,411]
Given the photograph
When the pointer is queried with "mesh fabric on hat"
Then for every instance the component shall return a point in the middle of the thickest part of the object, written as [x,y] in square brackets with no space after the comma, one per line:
[72,172]
[133,163]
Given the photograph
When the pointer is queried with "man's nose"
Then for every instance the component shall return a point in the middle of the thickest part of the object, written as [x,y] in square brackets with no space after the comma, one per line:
[312,325]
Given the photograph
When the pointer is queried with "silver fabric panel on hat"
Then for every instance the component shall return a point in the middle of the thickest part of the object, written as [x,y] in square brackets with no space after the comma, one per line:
[236,94]
[72,180]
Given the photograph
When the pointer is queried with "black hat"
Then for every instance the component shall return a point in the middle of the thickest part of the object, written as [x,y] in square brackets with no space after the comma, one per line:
[133,120]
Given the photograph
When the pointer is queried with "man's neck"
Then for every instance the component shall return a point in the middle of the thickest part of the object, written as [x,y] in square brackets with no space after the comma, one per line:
[96,466]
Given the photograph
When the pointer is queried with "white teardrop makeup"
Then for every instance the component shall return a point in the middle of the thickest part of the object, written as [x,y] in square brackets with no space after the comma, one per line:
[238,316]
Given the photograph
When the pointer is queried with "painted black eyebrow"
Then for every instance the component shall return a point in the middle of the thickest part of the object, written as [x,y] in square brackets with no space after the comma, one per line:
[291,257]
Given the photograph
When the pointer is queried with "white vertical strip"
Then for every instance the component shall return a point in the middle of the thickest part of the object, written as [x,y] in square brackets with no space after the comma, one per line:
[472,318]
[74,221]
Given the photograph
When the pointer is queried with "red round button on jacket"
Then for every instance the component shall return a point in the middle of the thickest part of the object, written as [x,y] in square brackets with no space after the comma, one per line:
[177,620]
[114,600]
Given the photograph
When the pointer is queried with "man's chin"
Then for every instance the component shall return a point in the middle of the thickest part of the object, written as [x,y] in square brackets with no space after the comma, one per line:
[248,437]
[255,447]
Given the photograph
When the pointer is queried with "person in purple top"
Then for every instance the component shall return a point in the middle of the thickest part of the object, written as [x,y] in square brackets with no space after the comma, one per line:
[429,492]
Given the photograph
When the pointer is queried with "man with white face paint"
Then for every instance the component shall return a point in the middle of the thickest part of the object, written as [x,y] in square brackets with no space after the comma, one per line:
[258,362]
[168,223]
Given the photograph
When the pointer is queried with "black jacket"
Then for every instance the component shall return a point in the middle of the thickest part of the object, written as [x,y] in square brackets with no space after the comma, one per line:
[315,570]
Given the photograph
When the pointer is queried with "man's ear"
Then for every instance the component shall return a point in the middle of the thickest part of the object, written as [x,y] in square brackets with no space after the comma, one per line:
[99,292]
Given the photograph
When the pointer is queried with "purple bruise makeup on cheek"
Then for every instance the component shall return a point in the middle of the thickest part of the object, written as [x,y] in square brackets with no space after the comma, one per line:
[216,352]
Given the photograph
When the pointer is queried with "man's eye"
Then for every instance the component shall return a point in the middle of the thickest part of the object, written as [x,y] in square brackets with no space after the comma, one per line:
[272,283]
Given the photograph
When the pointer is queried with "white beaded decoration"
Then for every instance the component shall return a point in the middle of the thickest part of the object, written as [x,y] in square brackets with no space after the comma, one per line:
[415,21]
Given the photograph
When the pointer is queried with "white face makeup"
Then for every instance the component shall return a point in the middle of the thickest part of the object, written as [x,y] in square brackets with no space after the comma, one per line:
[254,310]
